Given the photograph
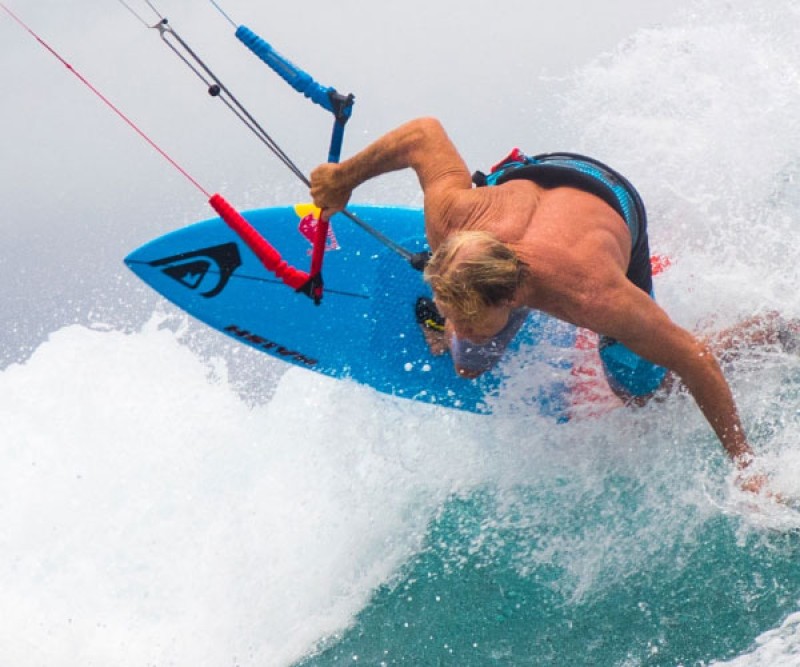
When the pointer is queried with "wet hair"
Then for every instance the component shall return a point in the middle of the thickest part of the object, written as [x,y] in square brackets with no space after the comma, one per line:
[471,271]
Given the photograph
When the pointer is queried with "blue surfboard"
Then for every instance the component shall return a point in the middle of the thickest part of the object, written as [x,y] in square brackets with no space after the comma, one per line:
[365,329]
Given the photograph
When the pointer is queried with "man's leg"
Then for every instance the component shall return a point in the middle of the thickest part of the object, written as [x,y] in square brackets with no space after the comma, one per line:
[769,329]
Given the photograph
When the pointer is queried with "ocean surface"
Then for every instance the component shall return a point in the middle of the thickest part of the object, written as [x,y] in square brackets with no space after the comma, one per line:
[169,498]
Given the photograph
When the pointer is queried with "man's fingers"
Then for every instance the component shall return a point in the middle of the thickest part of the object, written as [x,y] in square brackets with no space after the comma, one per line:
[325,193]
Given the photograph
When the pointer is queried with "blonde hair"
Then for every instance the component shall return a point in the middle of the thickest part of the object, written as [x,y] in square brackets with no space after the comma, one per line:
[486,274]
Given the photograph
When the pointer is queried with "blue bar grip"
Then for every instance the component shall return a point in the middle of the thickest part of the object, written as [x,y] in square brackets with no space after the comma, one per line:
[293,75]
[337,137]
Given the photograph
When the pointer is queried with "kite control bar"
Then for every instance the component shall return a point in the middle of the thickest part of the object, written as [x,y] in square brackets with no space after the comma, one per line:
[341,106]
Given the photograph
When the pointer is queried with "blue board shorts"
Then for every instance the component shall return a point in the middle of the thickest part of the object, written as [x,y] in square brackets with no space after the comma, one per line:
[628,374]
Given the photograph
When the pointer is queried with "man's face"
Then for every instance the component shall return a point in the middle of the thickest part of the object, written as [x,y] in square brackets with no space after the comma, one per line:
[482,329]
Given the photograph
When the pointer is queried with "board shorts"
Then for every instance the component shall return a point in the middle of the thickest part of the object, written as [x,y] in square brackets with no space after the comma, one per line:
[628,374]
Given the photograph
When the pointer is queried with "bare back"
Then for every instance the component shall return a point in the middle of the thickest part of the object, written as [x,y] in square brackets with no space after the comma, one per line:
[574,243]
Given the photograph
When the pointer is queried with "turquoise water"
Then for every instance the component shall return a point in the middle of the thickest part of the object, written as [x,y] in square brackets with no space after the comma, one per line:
[167,498]
[698,597]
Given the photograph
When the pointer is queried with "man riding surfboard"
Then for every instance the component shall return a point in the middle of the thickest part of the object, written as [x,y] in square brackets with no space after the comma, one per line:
[573,247]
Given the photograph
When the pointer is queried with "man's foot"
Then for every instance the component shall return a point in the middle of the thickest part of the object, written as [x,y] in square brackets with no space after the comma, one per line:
[769,329]
[789,335]
[432,325]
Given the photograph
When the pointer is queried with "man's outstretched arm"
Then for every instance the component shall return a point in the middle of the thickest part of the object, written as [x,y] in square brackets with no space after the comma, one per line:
[420,144]
[647,330]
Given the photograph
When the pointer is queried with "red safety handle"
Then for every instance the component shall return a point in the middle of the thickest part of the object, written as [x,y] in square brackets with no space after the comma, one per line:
[315,283]
[269,256]
[321,238]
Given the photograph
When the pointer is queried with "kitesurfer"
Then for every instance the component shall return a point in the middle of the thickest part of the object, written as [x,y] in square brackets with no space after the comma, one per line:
[559,233]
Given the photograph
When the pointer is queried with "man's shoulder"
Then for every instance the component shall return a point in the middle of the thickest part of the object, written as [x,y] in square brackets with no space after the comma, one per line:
[450,210]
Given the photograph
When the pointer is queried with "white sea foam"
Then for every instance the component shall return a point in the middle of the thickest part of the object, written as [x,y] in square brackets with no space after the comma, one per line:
[779,647]
[151,517]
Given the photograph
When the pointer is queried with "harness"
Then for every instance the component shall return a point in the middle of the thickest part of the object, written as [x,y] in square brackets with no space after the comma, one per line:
[551,170]
[572,170]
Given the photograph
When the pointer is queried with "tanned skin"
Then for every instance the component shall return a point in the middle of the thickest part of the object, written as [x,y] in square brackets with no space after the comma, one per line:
[576,247]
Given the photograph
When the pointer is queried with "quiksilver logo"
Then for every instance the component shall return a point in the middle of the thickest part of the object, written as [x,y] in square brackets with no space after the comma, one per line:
[207,270]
